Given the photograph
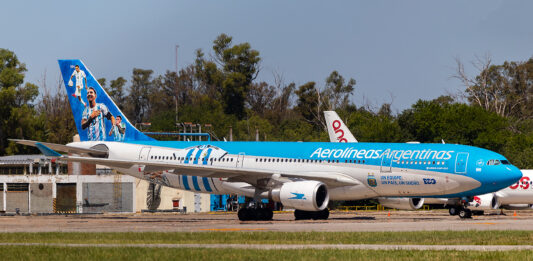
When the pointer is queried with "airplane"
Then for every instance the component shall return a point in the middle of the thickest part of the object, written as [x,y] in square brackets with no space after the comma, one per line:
[517,196]
[300,175]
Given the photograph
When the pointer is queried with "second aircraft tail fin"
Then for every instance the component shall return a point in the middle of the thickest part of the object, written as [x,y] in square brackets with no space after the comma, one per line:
[337,130]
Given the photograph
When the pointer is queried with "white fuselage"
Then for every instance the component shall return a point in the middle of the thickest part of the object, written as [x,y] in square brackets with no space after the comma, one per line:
[397,182]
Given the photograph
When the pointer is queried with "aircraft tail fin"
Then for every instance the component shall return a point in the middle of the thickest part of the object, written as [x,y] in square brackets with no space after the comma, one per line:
[337,130]
[96,116]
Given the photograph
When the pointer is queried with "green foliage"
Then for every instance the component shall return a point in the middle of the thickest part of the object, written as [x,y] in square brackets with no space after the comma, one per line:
[17,114]
[431,121]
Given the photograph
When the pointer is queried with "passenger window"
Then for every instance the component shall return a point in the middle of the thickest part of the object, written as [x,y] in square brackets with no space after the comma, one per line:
[496,162]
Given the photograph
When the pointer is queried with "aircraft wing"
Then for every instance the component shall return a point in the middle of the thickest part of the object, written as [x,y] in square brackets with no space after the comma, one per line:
[334,179]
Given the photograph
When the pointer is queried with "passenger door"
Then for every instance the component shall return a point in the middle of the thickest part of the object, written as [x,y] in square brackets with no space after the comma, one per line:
[240,160]
[386,163]
[144,153]
[461,161]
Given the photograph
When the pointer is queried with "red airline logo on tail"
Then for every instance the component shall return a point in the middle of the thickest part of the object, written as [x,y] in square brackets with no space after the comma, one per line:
[337,128]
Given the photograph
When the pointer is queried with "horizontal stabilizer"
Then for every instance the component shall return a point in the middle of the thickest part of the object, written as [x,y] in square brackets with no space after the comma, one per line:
[61,147]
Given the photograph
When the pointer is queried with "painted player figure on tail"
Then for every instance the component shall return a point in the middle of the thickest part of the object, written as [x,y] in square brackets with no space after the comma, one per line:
[81,78]
[93,117]
[118,129]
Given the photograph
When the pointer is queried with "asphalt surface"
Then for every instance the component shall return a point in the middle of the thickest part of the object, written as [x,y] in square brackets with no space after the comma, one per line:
[197,222]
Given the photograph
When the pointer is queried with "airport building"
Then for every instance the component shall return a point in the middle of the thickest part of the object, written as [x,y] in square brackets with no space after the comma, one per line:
[39,185]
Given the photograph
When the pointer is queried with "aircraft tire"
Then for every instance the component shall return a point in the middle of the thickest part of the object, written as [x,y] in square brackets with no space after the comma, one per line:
[261,214]
[465,213]
[324,214]
[453,211]
[300,214]
[269,214]
[244,214]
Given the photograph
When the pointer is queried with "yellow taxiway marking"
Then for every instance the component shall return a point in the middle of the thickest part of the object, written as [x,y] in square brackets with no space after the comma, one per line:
[232,229]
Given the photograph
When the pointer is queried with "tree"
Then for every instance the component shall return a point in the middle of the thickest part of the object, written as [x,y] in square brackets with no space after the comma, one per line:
[17,113]
[116,91]
[138,105]
[336,92]
[56,114]
[239,67]
[505,89]
[309,104]
[430,121]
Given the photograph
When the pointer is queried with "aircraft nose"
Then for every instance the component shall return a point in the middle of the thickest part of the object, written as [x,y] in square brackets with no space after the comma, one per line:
[516,174]
[512,175]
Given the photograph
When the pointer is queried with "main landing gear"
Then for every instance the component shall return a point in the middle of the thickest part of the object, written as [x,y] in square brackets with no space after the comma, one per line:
[460,211]
[255,211]
[302,214]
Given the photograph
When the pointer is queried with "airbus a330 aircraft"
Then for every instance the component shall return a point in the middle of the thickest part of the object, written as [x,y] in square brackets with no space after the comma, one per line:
[300,175]
[516,196]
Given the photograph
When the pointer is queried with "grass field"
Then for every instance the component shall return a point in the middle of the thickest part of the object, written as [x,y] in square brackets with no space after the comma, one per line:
[78,254]
[393,238]
[40,252]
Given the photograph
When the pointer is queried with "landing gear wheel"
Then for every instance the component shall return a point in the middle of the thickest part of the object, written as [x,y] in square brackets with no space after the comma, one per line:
[302,214]
[453,211]
[465,213]
[246,214]
[269,214]
[243,214]
[299,214]
[323,214]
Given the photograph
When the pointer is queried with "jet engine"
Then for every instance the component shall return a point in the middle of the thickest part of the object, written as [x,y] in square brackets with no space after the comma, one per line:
[402,203]
[485,202]
[303,195]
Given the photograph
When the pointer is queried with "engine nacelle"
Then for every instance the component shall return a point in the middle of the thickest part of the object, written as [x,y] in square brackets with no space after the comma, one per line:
[303,195]
[484,202]
[402,203]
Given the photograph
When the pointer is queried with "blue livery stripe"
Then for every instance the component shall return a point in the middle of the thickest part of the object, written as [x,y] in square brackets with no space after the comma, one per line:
[207,156]
[206,184]
[188,156]
[195,183]
[185,182]
[197,156]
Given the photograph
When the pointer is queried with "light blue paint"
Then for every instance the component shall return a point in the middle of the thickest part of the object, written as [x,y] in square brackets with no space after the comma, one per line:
[195,183]
[185,182]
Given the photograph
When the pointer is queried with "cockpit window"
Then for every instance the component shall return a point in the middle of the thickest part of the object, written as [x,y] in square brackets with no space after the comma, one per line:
[505,162]
[497,162]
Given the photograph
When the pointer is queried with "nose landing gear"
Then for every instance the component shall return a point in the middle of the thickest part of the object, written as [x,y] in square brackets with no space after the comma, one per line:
[461,211]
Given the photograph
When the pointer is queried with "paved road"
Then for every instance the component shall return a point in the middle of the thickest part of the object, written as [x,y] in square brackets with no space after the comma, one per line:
[287,247]
[340,221]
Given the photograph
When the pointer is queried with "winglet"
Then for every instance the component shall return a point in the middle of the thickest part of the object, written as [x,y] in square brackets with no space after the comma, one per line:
[47,151]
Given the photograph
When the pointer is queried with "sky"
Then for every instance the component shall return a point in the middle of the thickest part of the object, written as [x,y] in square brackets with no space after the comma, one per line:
[397,51]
